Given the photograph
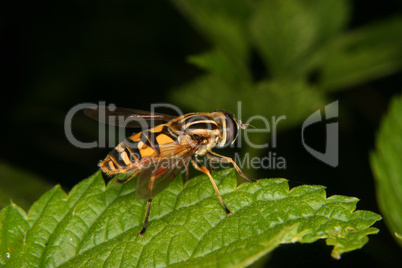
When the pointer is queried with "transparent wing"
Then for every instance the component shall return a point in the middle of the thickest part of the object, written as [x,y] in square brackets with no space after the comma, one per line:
[163,172]
[124,117]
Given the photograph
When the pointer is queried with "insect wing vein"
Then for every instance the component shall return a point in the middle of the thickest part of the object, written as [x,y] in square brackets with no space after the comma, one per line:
[129,118]
[162,172]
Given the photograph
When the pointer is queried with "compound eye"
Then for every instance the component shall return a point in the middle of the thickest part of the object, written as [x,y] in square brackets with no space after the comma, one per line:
[231,130]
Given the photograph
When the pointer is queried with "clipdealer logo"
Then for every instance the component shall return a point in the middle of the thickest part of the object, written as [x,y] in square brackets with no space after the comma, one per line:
[270,161]
[330,156]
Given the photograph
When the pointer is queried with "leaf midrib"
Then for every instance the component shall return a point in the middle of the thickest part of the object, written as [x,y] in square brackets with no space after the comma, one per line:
[174,211]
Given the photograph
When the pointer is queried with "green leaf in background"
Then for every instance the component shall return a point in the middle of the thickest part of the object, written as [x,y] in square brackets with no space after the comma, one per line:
[224,24]
[295,40]
[282,58]
[362,54]
[295,99]
[97,225]
[386,164]
[217,62]
[290,34]
[20,186]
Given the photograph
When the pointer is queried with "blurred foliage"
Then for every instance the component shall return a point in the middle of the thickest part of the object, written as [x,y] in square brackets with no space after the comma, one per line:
[306,51]
[21,187]
[386,165]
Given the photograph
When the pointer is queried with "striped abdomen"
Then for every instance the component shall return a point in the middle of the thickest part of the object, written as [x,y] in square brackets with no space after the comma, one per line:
[133,153]
[202,131]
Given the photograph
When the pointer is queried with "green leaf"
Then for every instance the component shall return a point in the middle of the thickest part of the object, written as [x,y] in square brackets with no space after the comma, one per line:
[386,165]
[295,99]
[20,186]
[218,62]
[98,225]
[223,23]
[13,227]
[304,47]
[364,54]
[288,34]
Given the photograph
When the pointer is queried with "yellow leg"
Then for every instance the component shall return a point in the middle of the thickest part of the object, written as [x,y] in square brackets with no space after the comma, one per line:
[129,179]
[216,157]
[197,164]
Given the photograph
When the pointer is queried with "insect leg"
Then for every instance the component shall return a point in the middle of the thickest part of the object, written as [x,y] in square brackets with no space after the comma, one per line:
[129,179]
[197,165]
[211,165]
[217,157]
[144,228]
[187,172]
[150,186]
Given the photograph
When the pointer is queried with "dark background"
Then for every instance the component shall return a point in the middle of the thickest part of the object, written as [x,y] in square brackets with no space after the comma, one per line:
[57,54]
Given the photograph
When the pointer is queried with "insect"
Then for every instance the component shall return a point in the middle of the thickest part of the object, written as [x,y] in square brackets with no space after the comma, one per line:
[169,143]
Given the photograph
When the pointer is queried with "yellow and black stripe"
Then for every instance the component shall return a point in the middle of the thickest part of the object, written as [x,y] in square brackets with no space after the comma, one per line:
[128,155]
[131,154]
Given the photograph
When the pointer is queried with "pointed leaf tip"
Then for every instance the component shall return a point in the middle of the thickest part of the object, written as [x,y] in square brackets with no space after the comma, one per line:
[97,225]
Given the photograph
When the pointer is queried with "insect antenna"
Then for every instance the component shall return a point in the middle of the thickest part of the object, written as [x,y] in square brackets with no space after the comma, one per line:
[244,126]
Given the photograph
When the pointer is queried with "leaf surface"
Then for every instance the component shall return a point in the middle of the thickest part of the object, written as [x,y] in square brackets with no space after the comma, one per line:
[98,225]
[386,165]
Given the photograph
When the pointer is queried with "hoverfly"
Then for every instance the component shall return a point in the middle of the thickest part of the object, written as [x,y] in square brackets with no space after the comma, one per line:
[158,153]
